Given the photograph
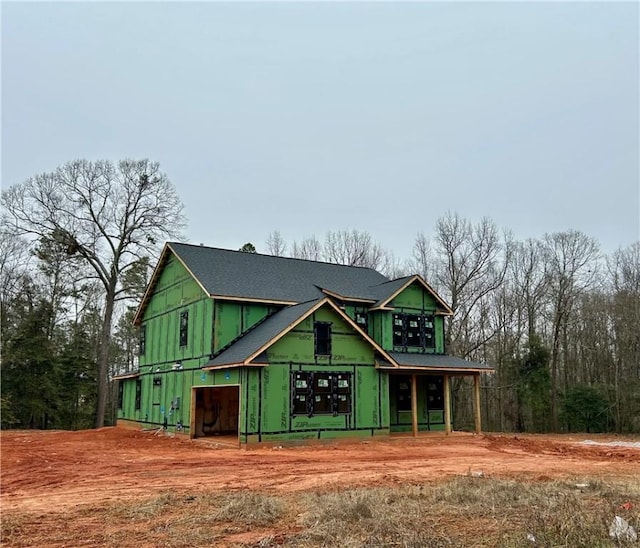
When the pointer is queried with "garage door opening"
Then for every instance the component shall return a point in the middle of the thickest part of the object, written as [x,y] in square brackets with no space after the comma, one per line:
[215,412]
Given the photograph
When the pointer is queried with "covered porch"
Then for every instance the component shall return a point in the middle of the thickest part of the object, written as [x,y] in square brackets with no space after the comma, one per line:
[420,391]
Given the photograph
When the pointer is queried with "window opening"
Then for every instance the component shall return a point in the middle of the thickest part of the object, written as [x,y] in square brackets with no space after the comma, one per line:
[120,394]
[143,340]
[429,331]
[322,393]
[322,336]
[435,393]
[184,327]
[403,398]
[319,393]
[300,393]
[413,330]
[343,393]
[138,394]
[398,330]
[412,325]
[362,320]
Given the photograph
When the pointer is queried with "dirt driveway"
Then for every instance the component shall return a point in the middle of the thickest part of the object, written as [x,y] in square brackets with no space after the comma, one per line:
[55,471]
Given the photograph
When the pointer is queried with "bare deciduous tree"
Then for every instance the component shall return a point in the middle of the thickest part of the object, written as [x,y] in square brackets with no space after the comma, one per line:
[530,282]
[353,248]
[624,309]
[472,264]
[571,259]
[309,249]
[276,244]
[14,259]
[422,262]
[112,216]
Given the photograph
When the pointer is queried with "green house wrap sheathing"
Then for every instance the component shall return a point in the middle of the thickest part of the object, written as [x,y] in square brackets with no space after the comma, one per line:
[269,349]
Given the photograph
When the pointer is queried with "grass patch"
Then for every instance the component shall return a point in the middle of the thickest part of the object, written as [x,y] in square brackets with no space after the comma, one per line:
[462,511]
[252,509]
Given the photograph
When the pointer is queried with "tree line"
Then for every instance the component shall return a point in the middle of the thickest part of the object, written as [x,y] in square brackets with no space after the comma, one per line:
[557,318]
[76,245]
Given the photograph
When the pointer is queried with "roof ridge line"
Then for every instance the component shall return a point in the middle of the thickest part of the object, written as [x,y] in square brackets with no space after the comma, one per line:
[200,246]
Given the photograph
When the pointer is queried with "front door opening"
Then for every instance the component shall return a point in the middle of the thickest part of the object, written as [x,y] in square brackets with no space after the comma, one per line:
[215,411]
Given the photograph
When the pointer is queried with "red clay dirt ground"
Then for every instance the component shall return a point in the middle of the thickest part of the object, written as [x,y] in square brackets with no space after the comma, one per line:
[56,471]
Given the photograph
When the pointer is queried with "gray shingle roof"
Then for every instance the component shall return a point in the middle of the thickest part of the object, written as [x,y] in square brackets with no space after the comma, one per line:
[438,361]
[256,338]
[266,277]
[384,290]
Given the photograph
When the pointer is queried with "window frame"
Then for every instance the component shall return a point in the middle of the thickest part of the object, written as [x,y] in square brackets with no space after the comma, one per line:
[422,335]
[184,328]
[362,320]
[322,338]
[300,392]
[142,340]
[403,395]
[435,393]
[138,399]
[335,397]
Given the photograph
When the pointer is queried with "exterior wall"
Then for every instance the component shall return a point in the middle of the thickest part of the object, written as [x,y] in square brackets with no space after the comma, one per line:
[176,292]
[171,398]
[231,319]
[265,392]
[428,419]
[413,300]
[169,371]
[268,417]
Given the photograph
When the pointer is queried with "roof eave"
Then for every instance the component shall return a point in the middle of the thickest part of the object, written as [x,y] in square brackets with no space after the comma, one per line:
[137,319]
[435,369]
[231,365]
[123,376]
[251,299]
[384,304]
[346,298]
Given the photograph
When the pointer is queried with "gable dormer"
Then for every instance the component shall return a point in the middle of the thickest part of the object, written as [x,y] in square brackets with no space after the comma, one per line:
[408,317]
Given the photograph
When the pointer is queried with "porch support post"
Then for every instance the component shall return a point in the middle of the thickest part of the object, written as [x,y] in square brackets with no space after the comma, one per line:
[447,405]
[414,405]
[476,403]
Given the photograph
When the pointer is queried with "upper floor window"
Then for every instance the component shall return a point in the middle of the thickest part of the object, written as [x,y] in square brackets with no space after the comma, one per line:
[184,327]
[362,320]
[413,330]
[143,340]
[322,338]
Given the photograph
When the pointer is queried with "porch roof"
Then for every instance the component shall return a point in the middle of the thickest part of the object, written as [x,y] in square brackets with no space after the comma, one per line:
[434,362]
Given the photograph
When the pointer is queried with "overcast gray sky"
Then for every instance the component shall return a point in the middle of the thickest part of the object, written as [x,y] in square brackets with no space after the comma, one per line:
[306,117]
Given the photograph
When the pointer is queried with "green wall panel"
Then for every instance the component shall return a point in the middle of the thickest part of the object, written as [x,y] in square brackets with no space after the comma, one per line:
[347,346]
[234,318]
[176,292]
[265,392]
